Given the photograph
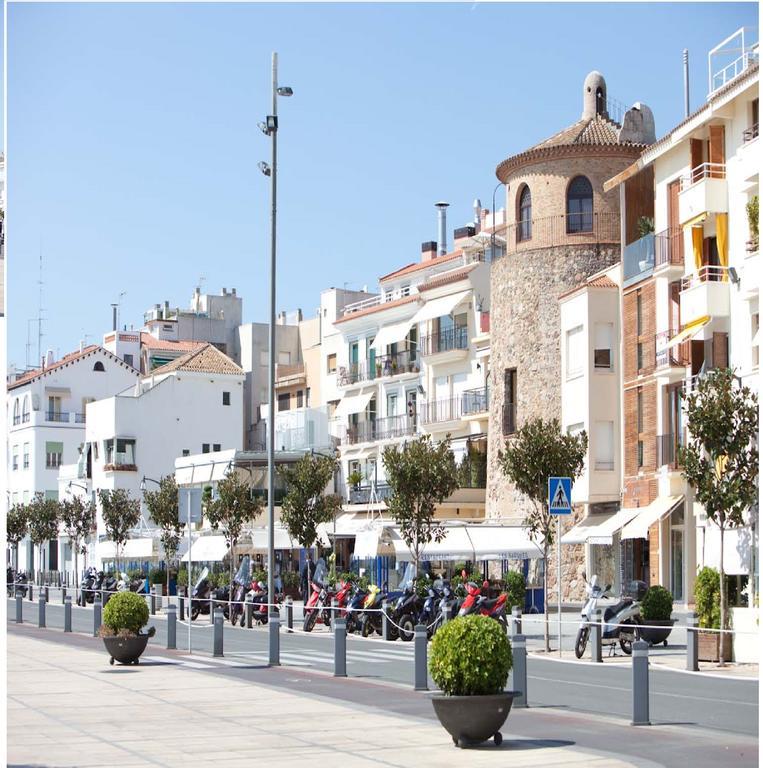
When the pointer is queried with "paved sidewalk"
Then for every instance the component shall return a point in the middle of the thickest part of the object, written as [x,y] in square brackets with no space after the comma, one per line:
[68,707]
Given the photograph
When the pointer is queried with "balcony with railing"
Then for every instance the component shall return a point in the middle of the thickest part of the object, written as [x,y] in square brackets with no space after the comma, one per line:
[404,362]
[678,356]
[17,420]
[669,248]
[705,293]
[590,227]
[667,449]
[440,411]
[289,375]
[732,57]
[749,134]
[79,418]
[379,429]
[475,401]
[366,494]
[509,418]
[452,339]
[703,189]
[638,259]
[57,416]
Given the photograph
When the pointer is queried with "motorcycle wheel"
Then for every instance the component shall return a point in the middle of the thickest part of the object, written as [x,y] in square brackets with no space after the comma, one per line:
[581,641]
[309,621]
[366,627]
[234,617]
[194,613]
[407,625]
[241,621]
[626,638]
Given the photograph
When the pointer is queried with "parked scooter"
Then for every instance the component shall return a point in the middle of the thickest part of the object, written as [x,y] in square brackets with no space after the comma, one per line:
[445,602]
[319,598]
[477,602]
[354,608]
[90,584]
[200,595]
[108,587]
[16,583]
[371,620]
[241,582]
[626,612]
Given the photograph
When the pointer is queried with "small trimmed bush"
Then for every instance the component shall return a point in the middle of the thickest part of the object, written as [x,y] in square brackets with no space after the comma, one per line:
[157,576]
[516,586]
[657,604]
[470,656]
[290,579]
[125,611]
[707,597]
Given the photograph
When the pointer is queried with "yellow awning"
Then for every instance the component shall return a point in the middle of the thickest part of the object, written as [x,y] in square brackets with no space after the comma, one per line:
[690,330]
[722,239]
[696,221]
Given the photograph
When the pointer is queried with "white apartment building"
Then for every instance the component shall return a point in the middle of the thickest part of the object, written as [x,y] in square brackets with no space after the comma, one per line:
[47,426]
[193,405]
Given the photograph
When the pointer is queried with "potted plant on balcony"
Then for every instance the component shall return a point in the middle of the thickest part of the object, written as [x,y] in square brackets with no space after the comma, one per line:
[752,221]
[470,663]
[354,479]
[707,599]
[645,226]
[123,618]
[656,609]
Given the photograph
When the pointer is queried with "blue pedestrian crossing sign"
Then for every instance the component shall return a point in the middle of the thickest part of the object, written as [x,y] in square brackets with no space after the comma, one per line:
[560,495]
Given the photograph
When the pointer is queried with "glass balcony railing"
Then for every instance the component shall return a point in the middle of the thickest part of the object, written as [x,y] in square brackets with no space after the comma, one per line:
[639,257]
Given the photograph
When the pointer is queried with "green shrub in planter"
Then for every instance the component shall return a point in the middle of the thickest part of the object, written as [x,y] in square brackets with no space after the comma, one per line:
[657,604]
[157,576]
[470,656]
[707,597]
[125,611]
[290,580]
[136,574]
[516,586]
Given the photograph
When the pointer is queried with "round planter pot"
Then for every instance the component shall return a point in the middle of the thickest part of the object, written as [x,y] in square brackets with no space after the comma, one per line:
[473,719]
[125,650]
[659,634]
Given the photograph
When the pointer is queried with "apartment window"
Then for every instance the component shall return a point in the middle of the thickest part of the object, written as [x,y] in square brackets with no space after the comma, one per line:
[264,357]
[307,397]
[95,451]
[216,447]
[53,455]
[300,399]
[99,367]
[580,205]
[16,412]
[575,429]
[186,452]
[26,455]
[640,410]
[283,402]
[128,360]
[639,355]
[509,401]
[125,452]
[575,352]
[284,358]
[525,213]
[15,463]
[604,445]
[25,415]
[640,453]
[639,314]
[331,363]
[602,351]
[226,398]
[205,447]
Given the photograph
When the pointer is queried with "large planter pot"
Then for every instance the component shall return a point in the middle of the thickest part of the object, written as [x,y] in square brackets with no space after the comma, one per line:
[709,647]
[473,719]
[654,636]
[125,650]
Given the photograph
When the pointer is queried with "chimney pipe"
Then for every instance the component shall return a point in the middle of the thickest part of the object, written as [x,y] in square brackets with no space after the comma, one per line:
[114,317]
[442,238]
[477,213]
[686,82]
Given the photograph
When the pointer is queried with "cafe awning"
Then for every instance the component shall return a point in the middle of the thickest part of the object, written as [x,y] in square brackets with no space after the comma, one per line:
[580,533]
[439,307]
[207,549]
[604,532]
[647,516]
[353,404]
[367,542]
[136,549]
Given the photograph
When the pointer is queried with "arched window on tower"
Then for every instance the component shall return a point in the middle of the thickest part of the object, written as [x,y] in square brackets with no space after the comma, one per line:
[580,205]
[98,366]
[524,214]
[16,412]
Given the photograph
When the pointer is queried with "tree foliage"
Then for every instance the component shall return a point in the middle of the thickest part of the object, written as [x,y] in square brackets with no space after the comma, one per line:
[537,451]
[44,515]
[16,523]
[78,518]
[120,514]
[162,505]
[421,475]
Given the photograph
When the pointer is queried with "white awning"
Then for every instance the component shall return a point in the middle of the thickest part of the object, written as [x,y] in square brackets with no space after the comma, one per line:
[439,307]
[579,534]
[353,404]
[201,468]
[207,549]
[134,548]
[348,524]
[367,542]
[280,536]
[604,532]
[647,516]
[391,334]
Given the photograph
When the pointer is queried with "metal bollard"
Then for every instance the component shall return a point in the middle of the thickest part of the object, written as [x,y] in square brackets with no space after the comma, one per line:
[153,601]
[19,610]
[274,646]
[31,590]
[445,610]
[63,595]
[248,606]
[171,627]
[420,658]
[219,619]
[519,670]
[596,629]
[692,643]
[640,657]
[334,611]
[181,601]
[96,615]
[289,614]
[340,648]
[41,613]
[45,591]
[211,610]
[385,620]
[516,621]
[68,614]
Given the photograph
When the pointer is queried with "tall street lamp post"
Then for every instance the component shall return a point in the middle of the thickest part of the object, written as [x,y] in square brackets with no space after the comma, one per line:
[270,128]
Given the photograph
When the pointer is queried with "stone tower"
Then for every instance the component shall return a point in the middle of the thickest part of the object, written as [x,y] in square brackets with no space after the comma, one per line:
[561,228]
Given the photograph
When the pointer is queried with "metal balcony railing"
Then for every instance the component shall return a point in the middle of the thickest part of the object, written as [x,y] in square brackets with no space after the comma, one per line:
[669,247]
[475,400]
[667,449]
[60,416]
[26,417]
[444,341]
[79,418]
[678,355]
[703,171]
[379,429]
[563,229]
[509,418]
[16,420]
[706,274]
[750,134]
[362,494]
[436,411]
[405,361]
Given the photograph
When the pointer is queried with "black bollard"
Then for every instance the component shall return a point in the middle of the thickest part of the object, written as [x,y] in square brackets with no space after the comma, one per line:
[171,627]
[692,643]
[41,613]
[420,658]
[596,627]
[68,615]
[340,648]
[248,606]
[219,620]
[516,621]
[19,610]
[96,615]
[640,658]
[519,670]
[289,614]
[274,646]
[63,595]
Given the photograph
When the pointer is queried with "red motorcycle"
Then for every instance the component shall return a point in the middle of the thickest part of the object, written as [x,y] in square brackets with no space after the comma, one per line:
[318,607]
[477,602]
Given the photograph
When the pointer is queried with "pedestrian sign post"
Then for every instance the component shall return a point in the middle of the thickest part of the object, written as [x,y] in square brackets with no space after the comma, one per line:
[559,503]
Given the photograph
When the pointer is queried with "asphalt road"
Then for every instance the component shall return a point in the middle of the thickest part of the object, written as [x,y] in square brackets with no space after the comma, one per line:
[676,697]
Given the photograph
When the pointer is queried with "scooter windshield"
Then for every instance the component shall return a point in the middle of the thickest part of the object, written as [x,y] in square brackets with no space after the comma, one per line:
[407,580]
[243,575]
[203,575]
[319,576]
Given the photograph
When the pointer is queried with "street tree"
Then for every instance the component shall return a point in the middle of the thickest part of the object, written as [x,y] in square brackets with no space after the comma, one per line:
[231,509]
[16,528]
[537,451]
[44,515]
[162,505]
[78,518]
[720,460]
[306,504]
[120,514]
[421,474]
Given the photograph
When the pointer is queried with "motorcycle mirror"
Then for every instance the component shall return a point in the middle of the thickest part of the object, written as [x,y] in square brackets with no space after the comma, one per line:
[608,587]
[485,584]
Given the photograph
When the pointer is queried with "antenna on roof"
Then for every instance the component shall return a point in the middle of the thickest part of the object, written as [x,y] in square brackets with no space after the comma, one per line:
[39,310]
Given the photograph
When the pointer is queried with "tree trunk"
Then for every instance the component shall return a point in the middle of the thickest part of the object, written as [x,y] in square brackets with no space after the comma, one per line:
[722,643]
[76,575]
[545,598]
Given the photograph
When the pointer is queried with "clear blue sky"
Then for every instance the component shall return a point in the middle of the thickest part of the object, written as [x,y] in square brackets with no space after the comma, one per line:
[133,144]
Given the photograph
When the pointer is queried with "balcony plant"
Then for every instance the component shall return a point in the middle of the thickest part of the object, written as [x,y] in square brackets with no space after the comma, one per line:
[470,663]
[752,221]
[123,618]
[656,610]
[645,226]
[354,479]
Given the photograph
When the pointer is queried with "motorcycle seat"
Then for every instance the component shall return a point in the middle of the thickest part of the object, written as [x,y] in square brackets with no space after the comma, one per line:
[489,604]
[613,610]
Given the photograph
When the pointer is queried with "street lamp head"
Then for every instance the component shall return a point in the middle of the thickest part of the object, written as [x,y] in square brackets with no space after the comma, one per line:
[264,167]
[143,484]
[263,128]
[284,91]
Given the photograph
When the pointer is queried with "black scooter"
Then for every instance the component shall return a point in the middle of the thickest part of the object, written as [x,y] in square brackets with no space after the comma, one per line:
[200,595]
[90,584]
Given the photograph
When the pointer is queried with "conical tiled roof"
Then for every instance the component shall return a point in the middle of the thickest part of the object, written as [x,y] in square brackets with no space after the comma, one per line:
[208,359]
